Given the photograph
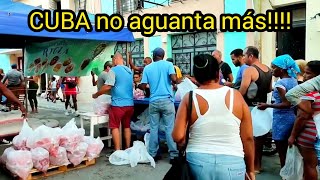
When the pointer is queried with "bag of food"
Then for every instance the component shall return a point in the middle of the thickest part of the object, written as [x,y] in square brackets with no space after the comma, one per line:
[40,159]
[61,159]
[293,169]
[20,141]
[78,154]
[95,147]
[20,163]
[71,136]
[5,154]
[102,104]
[47,138]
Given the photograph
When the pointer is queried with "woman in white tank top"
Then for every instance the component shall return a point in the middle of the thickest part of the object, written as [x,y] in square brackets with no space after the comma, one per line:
[221,145]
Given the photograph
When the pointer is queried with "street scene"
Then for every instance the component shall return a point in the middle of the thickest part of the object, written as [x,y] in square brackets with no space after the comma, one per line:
[159,89]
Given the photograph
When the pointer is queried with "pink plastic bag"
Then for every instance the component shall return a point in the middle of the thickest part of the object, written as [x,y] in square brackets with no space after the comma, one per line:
[102,104]
[78,154]
[5,154]
[20,141]
[40,159]
[47,138]
[61,158]
[95,147]
[138,94]
[71,136]
[19,163]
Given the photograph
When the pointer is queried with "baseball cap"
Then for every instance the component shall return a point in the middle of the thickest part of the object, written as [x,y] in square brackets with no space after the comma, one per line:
[158,52]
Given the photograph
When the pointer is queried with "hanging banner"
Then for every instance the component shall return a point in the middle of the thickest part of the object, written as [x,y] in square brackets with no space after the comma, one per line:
[66,57]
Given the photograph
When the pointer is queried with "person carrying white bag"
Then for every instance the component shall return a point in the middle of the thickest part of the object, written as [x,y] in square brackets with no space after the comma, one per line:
[304,133]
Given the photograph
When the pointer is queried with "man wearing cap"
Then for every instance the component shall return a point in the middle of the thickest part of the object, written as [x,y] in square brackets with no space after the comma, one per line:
[160,75]
[15,79]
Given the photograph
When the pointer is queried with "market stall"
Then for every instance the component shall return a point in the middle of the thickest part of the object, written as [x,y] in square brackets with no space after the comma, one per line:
[15,33]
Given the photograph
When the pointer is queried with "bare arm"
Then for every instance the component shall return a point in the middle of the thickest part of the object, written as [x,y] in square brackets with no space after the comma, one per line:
[246,80]
[7,93]
[230,77]
[285,104]
[246,134]
[174,79]
[295,93]
[4,79]
[135,68]
[180,126]
[104,89]
[301,119]
[94,82]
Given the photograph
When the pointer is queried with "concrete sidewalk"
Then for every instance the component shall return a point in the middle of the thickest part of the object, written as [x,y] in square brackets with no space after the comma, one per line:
[59,106]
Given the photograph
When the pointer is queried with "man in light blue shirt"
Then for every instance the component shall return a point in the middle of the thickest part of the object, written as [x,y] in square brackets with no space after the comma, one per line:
[120,82]
[160,75]
[238,61]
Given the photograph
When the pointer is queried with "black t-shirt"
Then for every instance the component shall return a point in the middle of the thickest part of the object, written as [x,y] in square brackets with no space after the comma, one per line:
[226,70]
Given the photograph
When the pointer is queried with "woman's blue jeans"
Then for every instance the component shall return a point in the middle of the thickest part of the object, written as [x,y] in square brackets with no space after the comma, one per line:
[216,167]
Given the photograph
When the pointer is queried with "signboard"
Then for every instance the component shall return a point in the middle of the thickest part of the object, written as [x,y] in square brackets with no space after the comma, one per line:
[66,57]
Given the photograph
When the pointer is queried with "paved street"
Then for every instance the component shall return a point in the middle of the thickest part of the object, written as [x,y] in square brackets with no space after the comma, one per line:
[104,170]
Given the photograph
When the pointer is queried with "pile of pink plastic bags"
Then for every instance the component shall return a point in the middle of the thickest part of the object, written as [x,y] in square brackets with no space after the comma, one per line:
[47,146]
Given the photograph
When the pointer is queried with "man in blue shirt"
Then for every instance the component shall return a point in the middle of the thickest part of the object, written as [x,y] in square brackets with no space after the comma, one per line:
[120,82]
[238,61]
[160,75]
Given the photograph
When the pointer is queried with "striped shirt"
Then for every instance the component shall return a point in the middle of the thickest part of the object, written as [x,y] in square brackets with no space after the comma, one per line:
[308,135]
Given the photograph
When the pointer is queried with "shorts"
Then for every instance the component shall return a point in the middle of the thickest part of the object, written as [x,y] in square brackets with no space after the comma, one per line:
[308,136]
[53,90]
[119,115]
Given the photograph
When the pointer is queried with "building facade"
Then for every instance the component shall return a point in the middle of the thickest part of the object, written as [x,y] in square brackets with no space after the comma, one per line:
[300,43]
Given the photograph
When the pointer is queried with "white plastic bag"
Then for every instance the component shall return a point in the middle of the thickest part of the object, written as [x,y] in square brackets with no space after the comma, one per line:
[146,139]
[119,157]
[293,169]
[47,138]
[184,87]
[19,163]
[40,159]
[78,154]
[139,126]
[134,155]
[95,147]
[261,121]
[71,136]
[5,154]
[102,104]
[20,141]
[61,158]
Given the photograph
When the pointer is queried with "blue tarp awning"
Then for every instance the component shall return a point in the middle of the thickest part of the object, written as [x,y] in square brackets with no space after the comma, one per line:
[14,30]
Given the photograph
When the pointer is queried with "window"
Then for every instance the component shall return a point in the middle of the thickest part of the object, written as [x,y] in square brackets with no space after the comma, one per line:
[127,6]
[137,49]
[186,46]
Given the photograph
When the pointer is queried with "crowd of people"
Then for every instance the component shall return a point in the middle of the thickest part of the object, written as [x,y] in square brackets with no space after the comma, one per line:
[220,128]
[221,134]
